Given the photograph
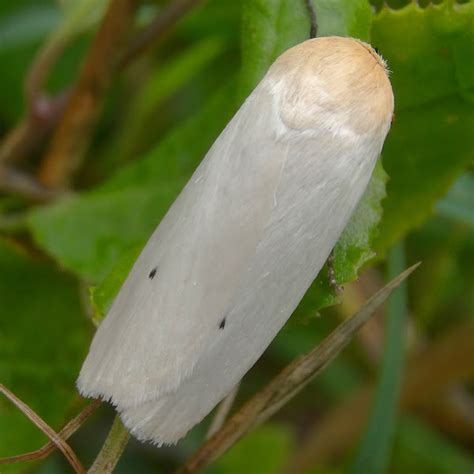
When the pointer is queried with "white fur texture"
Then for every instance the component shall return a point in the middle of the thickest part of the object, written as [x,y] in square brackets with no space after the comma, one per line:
[244,240]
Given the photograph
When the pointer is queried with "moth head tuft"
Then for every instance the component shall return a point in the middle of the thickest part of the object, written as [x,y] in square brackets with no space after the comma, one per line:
[333,83]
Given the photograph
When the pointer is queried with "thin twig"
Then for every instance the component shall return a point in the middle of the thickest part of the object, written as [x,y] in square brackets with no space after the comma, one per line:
[112,449]
[222,411]
[157,29]
[16,182]
[288,383]
[73,133]
[42,64]
[65,433]
[46,429]
[105,57]
[313,18]
[42,116]
[44,113]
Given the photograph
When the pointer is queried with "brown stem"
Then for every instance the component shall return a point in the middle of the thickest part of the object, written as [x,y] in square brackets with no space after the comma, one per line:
[46,429]
[72,135]
[42,116]
[288,383]
[41,67]
[44,113]
[65,433]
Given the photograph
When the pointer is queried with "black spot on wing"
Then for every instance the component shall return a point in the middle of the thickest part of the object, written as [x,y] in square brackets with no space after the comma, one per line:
[152,274]
[222,323]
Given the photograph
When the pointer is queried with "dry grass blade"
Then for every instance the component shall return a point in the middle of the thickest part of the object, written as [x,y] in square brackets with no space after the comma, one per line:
[46,429]
[65,433]
[288,383]
[222,411]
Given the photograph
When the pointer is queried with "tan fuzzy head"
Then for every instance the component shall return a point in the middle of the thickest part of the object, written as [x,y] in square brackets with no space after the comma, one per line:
[333,82]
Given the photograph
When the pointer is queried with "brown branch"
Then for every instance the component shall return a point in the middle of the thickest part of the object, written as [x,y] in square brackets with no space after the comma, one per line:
[65,433]
[42,112]
[288,383]
[73,133]
[157,29]
[46,429]
[42,116]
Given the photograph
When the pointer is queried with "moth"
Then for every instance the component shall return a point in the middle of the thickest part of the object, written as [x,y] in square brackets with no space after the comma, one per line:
[244,240]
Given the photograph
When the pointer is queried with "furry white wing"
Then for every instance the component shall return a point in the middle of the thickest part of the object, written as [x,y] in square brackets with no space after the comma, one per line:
[169,310]
[321,183]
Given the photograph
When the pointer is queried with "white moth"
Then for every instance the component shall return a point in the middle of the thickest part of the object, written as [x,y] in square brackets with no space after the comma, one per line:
[242,243]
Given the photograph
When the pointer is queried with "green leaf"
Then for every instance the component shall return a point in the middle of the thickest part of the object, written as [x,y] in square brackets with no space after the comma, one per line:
[102,296]
[87,234]
[163,83]
[43,338]
[344,18]
[458,205]
[353,250]
[27,25]
[422,450]
[268,448]
[271,27]
[373,455]
[429,52]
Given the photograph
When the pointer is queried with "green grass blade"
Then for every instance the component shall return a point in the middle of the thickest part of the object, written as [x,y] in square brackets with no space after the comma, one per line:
[375,447]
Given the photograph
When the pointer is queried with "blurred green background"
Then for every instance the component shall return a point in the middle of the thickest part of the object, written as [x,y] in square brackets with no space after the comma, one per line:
[84,179]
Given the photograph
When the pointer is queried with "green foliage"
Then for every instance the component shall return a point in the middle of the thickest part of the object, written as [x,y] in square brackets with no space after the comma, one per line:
[419,448]
[43,337]
[269,444]
[123,211]
[271,27]
[433,81]
[373,455]
[163,83]
[458,205]
[103,295]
